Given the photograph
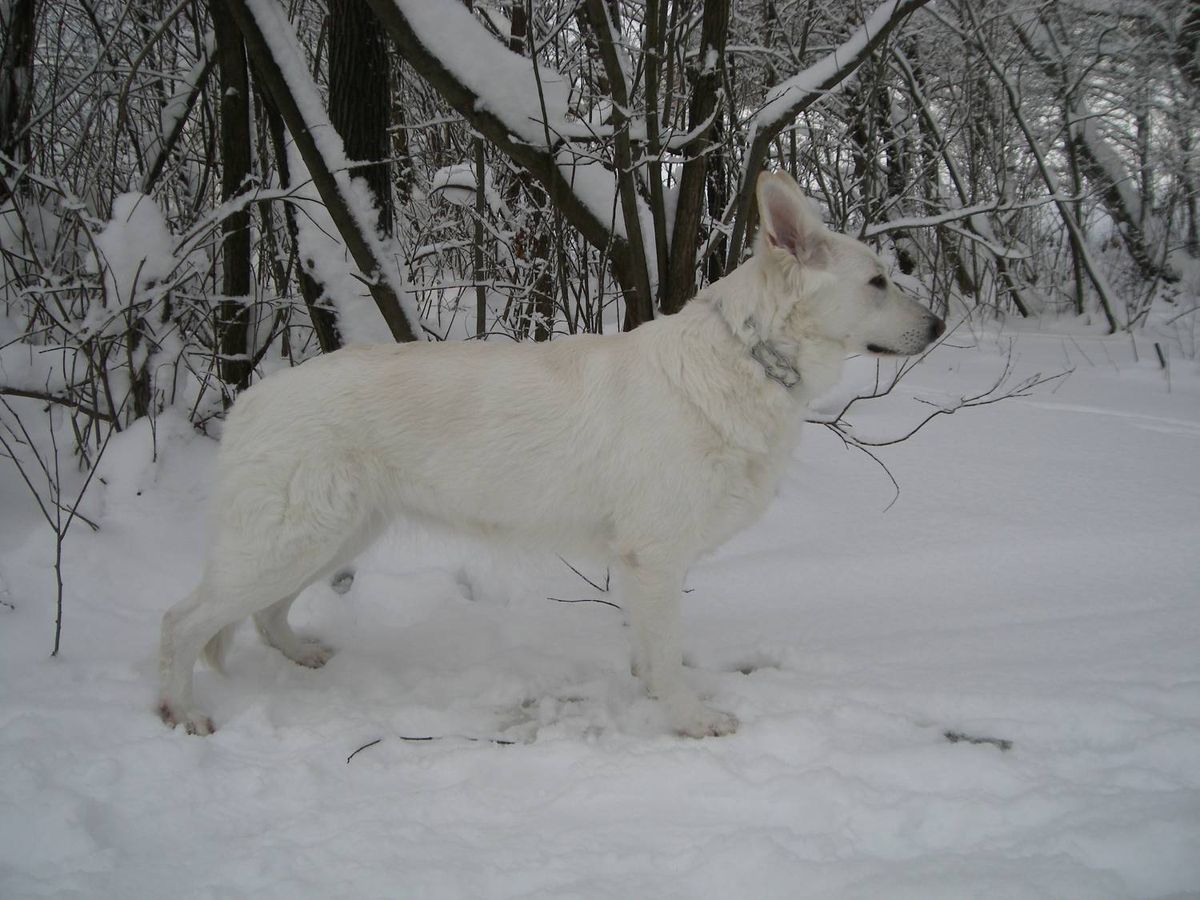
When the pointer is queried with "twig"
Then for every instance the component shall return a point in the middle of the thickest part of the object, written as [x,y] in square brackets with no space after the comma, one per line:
[852,444]
[603,590]
[362,748]
[502,742]
[585,600]
[985,399]
[955,736]
[54,398]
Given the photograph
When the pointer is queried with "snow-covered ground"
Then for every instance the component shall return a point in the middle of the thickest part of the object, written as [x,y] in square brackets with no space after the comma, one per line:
[1037,581]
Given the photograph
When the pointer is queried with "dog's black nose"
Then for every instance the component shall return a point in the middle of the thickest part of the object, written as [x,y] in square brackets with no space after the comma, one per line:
[936,329]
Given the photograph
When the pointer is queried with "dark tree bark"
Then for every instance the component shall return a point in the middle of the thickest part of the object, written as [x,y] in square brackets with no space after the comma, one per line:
[16,85]
[639,303]
[233,311]
[360,98]
[1191,193]
[706,79]
[717,189]
[656,23]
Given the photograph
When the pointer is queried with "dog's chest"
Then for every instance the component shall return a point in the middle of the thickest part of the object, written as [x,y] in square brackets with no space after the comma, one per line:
[749,482]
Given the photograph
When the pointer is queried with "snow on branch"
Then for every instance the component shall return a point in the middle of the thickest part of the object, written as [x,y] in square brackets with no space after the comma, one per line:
[942,218]
[281,67]
[1139,228]
[791,97]
[525,113]
[175,112]
[947,219]
[502,82]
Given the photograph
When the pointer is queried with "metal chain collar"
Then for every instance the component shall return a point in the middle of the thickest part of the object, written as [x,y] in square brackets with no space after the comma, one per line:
[776,366]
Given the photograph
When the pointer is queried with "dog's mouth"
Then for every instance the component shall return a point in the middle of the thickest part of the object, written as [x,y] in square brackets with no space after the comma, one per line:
[880,350]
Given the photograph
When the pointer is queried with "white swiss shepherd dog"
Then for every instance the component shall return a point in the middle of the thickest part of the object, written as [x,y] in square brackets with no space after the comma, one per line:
[648,448]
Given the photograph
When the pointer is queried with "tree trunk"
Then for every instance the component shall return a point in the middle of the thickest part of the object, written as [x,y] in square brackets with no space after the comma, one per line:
[233,311]
[477,243]
[639,301]
[532,242]
[360,99]
[16,85]
[706,79]
[267,49]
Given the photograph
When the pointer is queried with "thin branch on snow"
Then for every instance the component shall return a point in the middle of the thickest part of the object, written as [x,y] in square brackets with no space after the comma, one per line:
[423,739]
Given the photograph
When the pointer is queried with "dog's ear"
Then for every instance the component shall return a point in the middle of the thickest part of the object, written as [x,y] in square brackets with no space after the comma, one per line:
[790,221]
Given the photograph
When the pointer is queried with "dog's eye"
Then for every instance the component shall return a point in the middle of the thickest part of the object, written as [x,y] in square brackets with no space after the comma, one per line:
[878,282]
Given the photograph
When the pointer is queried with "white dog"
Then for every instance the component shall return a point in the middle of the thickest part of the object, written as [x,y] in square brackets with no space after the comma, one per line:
[650,447]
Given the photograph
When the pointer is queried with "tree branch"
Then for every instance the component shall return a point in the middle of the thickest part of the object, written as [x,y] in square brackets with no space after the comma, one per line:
[790,98]
[639,305]
[276,58]
[415,27]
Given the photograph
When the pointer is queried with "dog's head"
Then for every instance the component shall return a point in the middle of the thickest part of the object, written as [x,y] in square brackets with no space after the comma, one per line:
[830,286]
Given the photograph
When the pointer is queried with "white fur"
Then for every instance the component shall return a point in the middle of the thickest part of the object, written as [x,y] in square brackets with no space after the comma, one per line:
[650,447]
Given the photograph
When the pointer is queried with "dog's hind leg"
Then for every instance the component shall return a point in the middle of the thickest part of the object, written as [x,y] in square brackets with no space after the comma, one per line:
[221,600]
[275,631]
[272,622]
[651,587]
[275,539]
[186,628]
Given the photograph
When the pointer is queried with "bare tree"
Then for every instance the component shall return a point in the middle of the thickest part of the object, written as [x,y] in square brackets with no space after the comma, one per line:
[1008,158]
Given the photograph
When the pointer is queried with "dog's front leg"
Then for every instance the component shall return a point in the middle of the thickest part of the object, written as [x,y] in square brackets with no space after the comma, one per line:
[651,589]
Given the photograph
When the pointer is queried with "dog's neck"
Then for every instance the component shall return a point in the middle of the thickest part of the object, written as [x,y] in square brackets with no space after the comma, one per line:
[776,365]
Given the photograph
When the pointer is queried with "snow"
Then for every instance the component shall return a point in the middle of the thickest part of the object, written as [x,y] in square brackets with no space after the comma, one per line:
[1035,582]
[135,249]
[456,184]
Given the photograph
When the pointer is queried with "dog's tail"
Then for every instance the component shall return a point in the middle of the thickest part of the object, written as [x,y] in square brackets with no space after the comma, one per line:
[218,646]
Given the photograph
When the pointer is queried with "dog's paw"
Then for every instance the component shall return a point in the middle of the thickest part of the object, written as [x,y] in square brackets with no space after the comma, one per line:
[192,722]
[700,721]
[311,654]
